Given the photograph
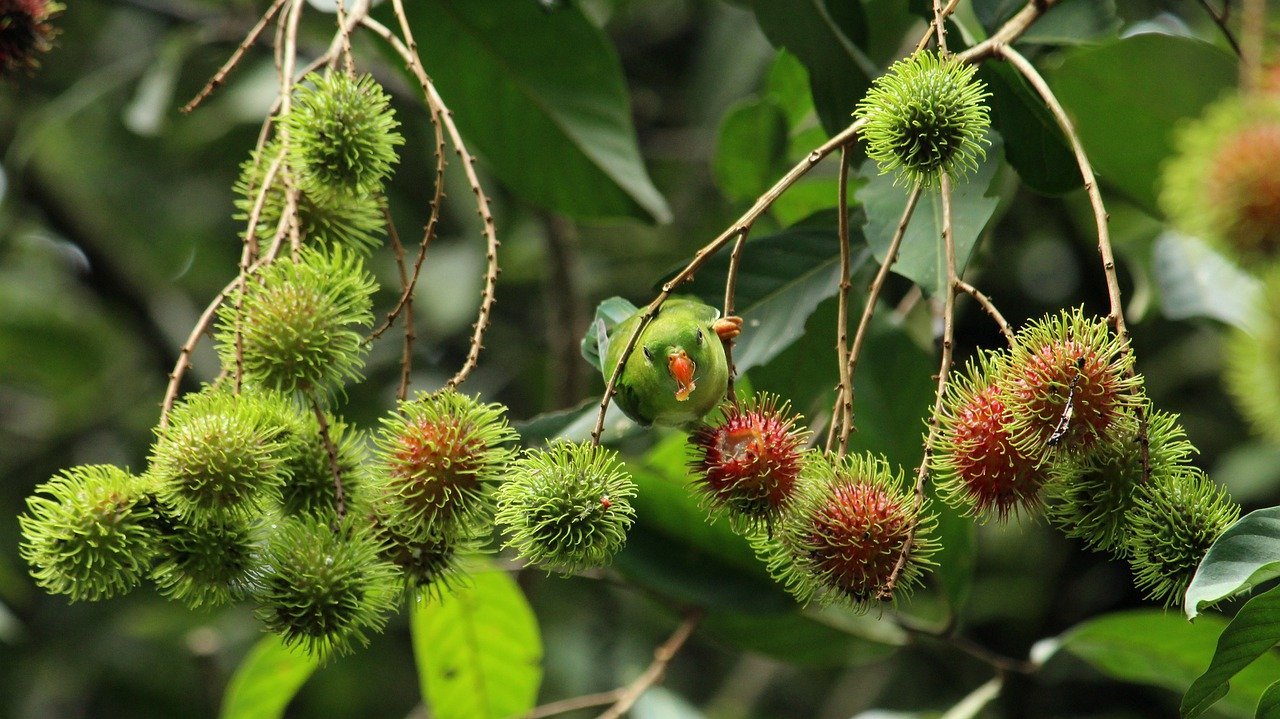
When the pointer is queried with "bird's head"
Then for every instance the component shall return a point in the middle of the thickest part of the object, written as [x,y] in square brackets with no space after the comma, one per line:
[681,357]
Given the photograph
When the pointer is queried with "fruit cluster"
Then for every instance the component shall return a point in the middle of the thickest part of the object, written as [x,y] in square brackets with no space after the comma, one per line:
[1056,424]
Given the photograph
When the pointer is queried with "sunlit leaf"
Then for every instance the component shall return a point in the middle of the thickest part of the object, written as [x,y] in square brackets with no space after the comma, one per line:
[266,680]
[1250,635]
[1246,555]
[1196,281]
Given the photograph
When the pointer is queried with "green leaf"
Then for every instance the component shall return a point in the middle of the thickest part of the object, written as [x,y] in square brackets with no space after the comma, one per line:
[266,680]
[750,149]
[539,92]
[957,559]
[1251,634]
[1246,555]
[575,424]
[1034,144]
[1269,704]
[1149,646]
[781,280]
[826,36]
[805,638]
[921,258]
[787,86]
[1126,97]
[478,651]
[1074,22]
[1196,281]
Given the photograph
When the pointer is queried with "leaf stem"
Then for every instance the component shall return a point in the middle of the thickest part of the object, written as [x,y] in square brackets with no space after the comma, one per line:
[662,656]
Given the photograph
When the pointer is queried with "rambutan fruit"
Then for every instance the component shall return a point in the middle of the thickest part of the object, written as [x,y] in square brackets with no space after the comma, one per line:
[87,533]
[1068,386]
[924,117]
[747,461]
[1252,366]
[218,455]
[1090,497]
[1176,517]
[25,33]
[309,486]
[324,589]
[566,507]
[976,463]
[206,564]
[1221,184]
[296,326]
[342,136]
[427,564]
[851,525]
[439,455]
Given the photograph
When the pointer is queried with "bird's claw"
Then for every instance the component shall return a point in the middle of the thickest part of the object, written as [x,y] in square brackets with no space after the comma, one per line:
[727,328]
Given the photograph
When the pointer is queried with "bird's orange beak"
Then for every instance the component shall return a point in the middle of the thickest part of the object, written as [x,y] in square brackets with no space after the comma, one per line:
[681,369]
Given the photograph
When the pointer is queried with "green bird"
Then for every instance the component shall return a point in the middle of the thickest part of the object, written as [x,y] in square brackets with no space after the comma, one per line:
[677,372]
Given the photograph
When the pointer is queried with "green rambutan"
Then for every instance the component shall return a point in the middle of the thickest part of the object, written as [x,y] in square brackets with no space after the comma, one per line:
[322,589]
[207,564]
[299,323]
[566,507]
[1221,185]
[87,532]
[218,456]
[309,486]
[1176,517]
[342,136]
[924,117]
[746,462]
[1068,386]
[439,455]
[1252,366]
[974,458]
[849,524]
[1091,497]
[427,564]
[354,220]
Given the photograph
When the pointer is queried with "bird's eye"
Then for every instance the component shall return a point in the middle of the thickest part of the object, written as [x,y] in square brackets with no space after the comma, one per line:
[699,336]
[648,354]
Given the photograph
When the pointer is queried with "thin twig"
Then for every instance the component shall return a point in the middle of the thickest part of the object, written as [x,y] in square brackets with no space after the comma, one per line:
[987,305]
[1007,32]
[406,357]
[949,636]
[944,369]
[407,49]
[928,33]
[339,494]
[730,293]
[940,26]
[873,297]
[1220,19]
[221,75]
[844,409]
[662,656]
[344,39]
[585,701]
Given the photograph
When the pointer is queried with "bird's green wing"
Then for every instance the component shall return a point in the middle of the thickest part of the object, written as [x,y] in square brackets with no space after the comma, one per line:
[609,314]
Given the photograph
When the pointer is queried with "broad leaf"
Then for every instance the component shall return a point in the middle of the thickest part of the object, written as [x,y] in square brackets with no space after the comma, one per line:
[1034,144]
[826,36]
[750,149]
[1196,281]
[1246,555]
[1126,97]
[478,650]
[539,92]
[804,638]
[1251,634]
[266,680]
[575,424]
[1269,704]
[1074,22]
[1149,646]
[921,258]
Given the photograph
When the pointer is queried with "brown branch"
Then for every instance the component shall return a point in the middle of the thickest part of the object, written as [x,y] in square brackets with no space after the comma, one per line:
[730,294]
[406,357]
[1008,32]
[940,26]
[1220,19]
[948,636]
[221,75]
[344,40]
[662,656]
[339,494]
[987,305]
[1253,32]
[844,393]
[944,369]
[928,33]
[873,296]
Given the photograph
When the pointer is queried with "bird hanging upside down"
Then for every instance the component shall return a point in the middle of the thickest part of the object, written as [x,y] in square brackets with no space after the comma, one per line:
[677,372]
